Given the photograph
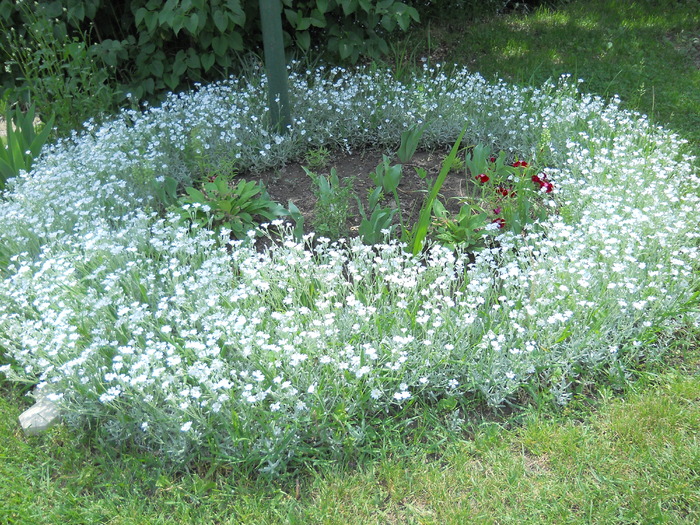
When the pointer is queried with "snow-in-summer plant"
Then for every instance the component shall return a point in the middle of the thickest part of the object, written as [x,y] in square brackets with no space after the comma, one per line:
[178,340]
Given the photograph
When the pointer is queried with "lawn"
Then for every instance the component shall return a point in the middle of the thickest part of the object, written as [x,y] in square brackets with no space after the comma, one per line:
[547,374]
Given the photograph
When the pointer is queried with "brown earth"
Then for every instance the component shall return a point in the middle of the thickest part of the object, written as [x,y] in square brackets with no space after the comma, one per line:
[291,183]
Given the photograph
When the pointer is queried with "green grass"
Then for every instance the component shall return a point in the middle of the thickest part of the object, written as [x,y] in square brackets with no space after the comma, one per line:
[631,457]
[646,52]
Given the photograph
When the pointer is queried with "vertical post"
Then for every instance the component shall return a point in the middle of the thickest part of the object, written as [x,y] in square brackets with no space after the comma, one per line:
[275,64]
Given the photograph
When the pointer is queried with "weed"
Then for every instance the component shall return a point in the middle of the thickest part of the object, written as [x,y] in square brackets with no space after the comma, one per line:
[332,208]
[317,158]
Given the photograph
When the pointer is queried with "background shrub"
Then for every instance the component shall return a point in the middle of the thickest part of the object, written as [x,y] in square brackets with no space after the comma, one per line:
[84,53]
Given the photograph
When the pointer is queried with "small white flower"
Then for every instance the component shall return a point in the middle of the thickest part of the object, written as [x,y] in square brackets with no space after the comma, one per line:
[186,426]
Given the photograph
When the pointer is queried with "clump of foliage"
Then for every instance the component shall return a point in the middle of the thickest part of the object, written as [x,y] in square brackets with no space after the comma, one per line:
[99,53]
[332,208]
[238,208]
[57,71]
[22,142]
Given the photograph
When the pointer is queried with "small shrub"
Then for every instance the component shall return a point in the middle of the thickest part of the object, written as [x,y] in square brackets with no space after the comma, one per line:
[235,207]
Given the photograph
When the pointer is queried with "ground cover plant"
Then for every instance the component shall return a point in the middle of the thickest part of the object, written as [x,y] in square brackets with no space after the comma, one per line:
[176,339]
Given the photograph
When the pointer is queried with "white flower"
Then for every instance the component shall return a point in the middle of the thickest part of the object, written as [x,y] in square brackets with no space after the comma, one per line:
[186,426]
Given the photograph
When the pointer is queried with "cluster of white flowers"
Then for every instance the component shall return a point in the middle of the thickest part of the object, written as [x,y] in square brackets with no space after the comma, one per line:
[186,342]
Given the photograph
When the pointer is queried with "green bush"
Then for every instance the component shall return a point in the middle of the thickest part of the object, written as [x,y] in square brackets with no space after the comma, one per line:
[71,49]
[56,72]
[349,28]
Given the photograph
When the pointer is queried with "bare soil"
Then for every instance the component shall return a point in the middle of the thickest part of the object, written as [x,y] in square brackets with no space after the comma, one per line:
[291,183]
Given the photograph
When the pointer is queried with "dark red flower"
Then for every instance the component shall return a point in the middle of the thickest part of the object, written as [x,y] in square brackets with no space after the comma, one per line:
[482,177]
[492,158]
[496,211]
[500,221]
[505,192]
[542,182]
[520,164]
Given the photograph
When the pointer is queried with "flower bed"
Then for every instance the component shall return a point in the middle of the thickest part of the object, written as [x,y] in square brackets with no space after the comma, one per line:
[194,346]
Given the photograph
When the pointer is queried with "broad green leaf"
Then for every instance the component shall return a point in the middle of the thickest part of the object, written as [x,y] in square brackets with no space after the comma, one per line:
[179,66]
[303,24]
[421,228]
[196,195]
[236,12]
[220,21]
[139,16]
[344,49]
[349,6]
[220,45]
[304,40]
[207,60]
[157,68]
[292,16]
[192,23]
[165,18]
[317,18]
[192,61]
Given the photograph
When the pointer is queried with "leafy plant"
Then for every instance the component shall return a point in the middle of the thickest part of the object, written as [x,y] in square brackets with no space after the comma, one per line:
[165,190]
[466,229]
[351,28]
[61,74]
[332,205]
[512,193]
[236,207]
[378,225]
[409,142]
[23,142]
[387,177]
[416,237]
[317,158]
[298,218]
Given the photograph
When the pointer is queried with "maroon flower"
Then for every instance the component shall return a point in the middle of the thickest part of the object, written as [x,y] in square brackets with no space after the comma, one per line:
[500,221]
[492,158]
[505,192]
[542,182]
[482,177]
[520,164]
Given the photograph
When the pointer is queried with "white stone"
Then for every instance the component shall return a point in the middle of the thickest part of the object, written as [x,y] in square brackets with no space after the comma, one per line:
[42,416]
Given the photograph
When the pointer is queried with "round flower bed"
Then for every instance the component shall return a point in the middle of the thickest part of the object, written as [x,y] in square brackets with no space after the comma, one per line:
[178,340]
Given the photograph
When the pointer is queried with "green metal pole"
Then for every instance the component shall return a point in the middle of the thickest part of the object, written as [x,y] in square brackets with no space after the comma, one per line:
[275,64]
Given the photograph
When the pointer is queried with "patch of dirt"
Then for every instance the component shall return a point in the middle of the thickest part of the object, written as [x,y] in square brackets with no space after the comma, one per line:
[291,183]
